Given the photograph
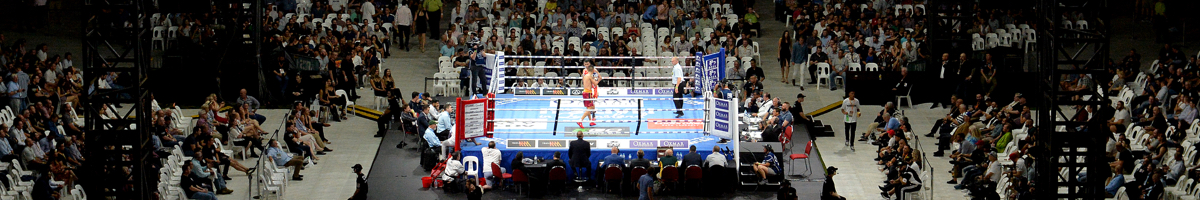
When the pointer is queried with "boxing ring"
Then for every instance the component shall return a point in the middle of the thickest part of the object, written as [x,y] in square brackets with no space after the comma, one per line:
[540,121]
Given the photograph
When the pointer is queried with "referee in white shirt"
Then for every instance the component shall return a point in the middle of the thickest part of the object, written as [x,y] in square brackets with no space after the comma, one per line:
[677,79]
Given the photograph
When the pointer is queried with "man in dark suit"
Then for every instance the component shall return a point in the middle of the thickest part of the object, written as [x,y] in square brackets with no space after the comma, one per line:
[902,85]
[580,151]
[640,161]
[946,78]
[692,158]
[423,116]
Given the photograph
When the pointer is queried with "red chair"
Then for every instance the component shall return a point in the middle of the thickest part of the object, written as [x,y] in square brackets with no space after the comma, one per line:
[670,174]
[693,175]
[785,138]
[807,151]
[635,174]
[612,174]
[498,175]
[558,174]
[519,178]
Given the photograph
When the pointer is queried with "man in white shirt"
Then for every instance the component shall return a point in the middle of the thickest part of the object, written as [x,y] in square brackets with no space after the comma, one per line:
[715,159]
[490,155]
[1121,116]
[850,112]
[454,168]
[368,12]
[337,5]
[677,79]
[404,20]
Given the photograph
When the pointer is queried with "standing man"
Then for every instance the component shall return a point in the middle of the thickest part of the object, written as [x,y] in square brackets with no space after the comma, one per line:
[590,91]
[677,79]
[16,94]
[580,151]
[404,20]
[801,118]
[434,8]
[850,111]
[945,77]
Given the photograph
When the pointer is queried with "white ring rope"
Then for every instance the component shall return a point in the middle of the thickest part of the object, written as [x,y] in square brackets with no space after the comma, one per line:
[597,121]
[606,77]
[604,99]
[645,132]
[601,67]
[534,88]
[600,57]
[565,109]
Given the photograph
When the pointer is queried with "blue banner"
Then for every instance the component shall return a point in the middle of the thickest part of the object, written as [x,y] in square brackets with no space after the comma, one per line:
[709,70]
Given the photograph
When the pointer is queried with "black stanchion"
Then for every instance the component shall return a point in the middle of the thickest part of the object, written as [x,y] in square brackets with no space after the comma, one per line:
[558,106]
[639,115]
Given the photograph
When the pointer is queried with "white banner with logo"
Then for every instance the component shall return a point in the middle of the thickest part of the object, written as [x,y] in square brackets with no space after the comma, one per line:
[723,115]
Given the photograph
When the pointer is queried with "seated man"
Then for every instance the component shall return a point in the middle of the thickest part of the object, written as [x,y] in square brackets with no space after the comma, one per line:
[692,158]
[193,187]
[715,159]
[205,170]
[432,140]
[669,159]
[454,170]
[768,167]
[282,158]
[614,159]
[640,161]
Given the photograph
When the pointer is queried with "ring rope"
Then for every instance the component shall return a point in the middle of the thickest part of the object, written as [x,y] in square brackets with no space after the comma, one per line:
[534,88]
[599,57]
[606,77]
[597,67]
[649,109]
[630,132]
[600,99]
[602,121]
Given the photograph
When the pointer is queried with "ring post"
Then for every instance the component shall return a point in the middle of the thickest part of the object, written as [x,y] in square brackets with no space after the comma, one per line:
[556,112]
[639,115]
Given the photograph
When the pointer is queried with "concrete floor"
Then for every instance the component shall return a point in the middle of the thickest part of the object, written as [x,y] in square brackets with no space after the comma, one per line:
[332,178]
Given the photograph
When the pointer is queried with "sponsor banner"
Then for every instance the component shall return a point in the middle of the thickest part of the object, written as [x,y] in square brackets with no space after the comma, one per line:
[521,144]
[678,144]
[721,126]
[643,144]
[722,115]
[552,144]
[601,143]
[650,91]
[675,124]
[596,131]
[554,91]
[560,91]
[613,91]
[712,72]
[527,91]
[721,104]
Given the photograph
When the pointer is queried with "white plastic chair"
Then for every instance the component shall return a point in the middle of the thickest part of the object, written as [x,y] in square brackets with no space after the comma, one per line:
[907,96]
[854,67]
[349,103]
[157,36]
[872,67]
[823,72]
[471,164]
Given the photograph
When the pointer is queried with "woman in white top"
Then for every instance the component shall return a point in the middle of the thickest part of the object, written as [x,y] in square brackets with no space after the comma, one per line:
[850,110]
